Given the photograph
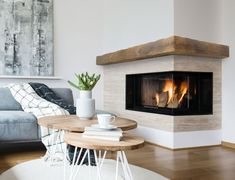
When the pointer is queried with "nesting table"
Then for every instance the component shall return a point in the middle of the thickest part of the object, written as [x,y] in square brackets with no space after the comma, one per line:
[73,123]
[72,128]
[57,125]
[100,148]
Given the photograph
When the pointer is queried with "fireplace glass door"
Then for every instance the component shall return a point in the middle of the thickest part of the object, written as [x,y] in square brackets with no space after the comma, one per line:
[171,93]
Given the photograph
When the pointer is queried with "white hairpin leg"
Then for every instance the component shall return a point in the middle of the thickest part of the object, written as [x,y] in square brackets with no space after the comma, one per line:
[99,156]
[62,146]
[65,161]
[55,143]
[89,163]
[79,166]
[65,152]
[72,168]
[75,163]
[125,166]
[48,142]
[102,159]
[75,167]
[97,166]
[52,144]
[117,164]
[100,162]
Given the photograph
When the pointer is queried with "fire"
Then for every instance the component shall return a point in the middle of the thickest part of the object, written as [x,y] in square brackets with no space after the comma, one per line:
[171,95]
[183,90]
[170,88]
[157,98]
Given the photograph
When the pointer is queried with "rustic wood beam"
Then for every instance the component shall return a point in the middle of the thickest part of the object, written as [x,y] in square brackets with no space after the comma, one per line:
[174,45]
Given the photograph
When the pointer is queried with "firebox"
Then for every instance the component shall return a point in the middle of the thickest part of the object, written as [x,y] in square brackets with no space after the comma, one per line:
[171,93]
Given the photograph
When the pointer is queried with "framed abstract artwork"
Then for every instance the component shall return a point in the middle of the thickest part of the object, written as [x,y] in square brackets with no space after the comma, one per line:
[26,38]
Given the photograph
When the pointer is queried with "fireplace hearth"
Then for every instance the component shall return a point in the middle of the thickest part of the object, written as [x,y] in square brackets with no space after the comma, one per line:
[170,93]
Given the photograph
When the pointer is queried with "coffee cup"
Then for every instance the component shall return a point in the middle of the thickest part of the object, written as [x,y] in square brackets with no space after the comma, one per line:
[105,120]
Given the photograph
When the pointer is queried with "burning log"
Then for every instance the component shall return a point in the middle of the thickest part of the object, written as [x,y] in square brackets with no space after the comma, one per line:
[171,97]
[174,103]
[162,99]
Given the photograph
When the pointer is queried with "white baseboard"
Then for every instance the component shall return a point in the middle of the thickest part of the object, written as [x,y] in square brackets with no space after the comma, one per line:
[159,137]
[179,139]
[197,138]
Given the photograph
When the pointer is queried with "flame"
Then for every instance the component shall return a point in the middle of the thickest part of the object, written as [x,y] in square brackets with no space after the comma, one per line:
[183,90]
[157,98]
[170,88]
[174,93]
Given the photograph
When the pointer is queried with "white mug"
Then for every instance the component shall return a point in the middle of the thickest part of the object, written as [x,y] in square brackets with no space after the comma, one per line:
[105,120]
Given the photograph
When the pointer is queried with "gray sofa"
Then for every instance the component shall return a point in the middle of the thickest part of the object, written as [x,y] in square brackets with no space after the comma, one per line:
[17,125]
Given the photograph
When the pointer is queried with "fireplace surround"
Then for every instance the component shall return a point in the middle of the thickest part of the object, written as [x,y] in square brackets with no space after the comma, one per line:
[170,93]
[170,55]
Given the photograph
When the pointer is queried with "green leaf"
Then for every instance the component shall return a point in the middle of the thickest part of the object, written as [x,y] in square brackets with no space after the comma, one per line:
[85,81]
[74,85]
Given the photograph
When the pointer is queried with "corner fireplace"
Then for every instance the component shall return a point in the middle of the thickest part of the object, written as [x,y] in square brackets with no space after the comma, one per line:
[170,93]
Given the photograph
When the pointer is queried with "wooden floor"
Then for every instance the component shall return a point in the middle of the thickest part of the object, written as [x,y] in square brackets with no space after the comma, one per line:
[202,163]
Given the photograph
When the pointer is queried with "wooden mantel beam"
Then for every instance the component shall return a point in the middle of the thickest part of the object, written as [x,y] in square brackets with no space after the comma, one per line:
[174,45]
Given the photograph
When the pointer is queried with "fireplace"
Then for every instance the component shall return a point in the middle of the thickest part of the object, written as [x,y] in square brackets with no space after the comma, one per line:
[171,87]
[170,93]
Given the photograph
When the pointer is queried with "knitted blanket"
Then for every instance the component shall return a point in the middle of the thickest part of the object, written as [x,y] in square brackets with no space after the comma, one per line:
[46,93]
[31,102]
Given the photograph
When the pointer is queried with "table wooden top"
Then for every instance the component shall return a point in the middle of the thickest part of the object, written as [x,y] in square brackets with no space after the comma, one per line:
[72,123]
[128,142]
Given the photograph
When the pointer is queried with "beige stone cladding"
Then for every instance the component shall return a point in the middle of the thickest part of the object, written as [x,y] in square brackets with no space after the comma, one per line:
[114,92]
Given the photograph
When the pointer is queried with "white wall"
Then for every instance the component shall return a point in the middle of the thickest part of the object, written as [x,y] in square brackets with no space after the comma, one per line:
[228,87]
[78,40]
[133,22]
[198,19]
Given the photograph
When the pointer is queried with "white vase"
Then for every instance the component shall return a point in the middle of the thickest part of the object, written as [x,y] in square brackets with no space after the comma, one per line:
[85,105]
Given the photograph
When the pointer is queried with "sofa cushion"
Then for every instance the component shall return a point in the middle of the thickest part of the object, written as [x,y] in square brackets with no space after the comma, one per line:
[7,101]
[18,126]
[65,93]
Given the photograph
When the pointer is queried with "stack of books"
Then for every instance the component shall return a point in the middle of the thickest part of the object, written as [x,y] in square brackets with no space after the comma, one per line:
[103,134]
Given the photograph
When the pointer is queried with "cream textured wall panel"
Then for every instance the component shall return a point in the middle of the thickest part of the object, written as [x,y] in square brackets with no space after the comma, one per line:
[114,92]
[203,122]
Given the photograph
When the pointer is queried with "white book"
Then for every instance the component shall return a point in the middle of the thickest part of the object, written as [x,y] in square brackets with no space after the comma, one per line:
[98,131]
[108,138]
[103,133]
[98,135]
[90,128]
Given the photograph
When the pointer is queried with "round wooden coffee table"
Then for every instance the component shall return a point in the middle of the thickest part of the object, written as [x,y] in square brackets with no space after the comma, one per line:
[72,123]
[57,125]
[128,142]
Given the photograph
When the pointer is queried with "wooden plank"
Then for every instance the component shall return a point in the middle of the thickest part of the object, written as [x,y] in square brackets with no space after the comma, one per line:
[174,45]
[208,163]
